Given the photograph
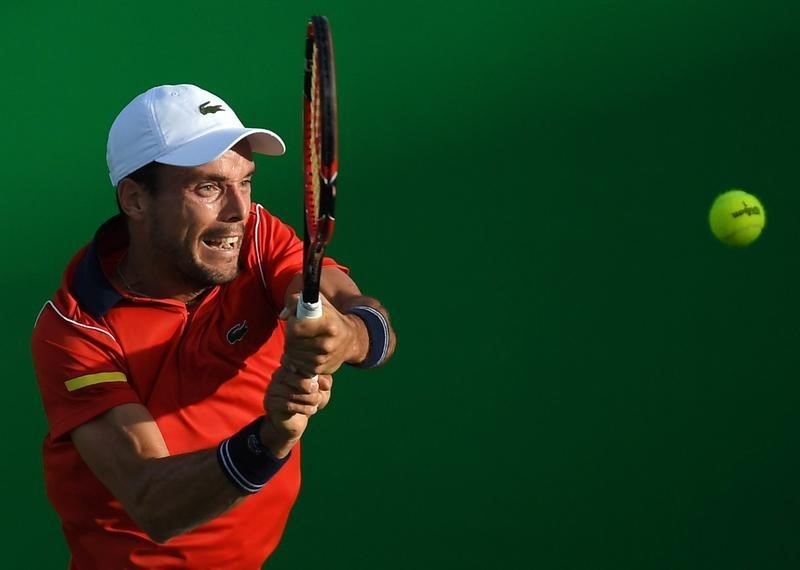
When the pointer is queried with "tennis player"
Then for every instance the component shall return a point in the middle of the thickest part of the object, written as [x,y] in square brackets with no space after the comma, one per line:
[176,382]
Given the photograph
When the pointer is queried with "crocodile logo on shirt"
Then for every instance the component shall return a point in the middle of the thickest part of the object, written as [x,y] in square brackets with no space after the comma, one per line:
[237,332]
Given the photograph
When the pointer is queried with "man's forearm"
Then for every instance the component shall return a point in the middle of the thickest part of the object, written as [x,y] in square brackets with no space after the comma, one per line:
[180,492]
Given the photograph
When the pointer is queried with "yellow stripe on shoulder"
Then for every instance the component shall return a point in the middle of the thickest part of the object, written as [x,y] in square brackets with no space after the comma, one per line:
[91,379]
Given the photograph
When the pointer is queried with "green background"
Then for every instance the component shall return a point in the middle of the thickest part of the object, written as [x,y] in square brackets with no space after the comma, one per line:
[584,377]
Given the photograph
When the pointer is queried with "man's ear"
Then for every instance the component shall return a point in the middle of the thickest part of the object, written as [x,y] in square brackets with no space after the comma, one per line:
[133,198]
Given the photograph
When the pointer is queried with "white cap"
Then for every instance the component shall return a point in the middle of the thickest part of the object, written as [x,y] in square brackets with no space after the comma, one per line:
[181,125]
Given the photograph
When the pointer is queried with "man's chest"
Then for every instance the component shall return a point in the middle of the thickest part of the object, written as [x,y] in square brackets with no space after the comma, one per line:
[202,373]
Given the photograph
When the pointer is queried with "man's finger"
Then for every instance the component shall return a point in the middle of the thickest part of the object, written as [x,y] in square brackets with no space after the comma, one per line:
[280,393]
[306,367]
[325,382]
[290,308]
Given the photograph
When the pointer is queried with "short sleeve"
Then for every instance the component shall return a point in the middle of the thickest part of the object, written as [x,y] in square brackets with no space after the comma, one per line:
[280,254]
[79,367]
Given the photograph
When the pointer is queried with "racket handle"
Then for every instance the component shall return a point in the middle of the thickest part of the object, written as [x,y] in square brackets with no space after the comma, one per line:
[309,310]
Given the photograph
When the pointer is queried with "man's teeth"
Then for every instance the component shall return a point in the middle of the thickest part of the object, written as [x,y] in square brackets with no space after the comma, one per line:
[223,243]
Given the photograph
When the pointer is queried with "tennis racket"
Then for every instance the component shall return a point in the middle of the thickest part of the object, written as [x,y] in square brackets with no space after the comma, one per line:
[320,158]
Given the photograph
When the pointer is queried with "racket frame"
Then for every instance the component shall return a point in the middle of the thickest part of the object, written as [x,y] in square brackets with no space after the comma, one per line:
[320,142]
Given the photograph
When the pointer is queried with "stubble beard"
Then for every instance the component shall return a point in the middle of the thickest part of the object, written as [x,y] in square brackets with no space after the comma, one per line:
[201,275]
[191,270]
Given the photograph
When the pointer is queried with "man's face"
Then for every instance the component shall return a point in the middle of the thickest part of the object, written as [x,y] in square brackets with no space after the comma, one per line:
[197,217]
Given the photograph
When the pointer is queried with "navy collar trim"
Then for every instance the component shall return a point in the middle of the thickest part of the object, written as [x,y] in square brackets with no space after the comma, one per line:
[91,287]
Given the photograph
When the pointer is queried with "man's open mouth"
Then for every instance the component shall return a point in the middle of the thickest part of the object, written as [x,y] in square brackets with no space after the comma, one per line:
[225,243]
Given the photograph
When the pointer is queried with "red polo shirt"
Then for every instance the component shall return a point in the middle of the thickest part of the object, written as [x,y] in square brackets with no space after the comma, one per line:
[202,375]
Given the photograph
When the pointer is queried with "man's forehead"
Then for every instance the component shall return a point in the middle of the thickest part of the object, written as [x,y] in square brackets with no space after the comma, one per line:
[236,162]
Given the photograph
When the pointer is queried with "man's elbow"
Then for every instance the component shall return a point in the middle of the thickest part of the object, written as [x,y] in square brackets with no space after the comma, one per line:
[156,526]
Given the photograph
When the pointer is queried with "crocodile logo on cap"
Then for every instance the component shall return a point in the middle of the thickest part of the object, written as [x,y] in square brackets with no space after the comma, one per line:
[205,108]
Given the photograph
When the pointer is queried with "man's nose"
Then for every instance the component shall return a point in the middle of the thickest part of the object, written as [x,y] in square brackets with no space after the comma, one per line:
[237,205]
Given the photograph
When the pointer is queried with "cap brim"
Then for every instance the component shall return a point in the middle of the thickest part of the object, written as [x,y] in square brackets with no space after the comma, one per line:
[211,146]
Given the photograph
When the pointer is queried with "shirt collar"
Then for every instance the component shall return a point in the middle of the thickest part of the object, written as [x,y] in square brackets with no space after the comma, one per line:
[90,285]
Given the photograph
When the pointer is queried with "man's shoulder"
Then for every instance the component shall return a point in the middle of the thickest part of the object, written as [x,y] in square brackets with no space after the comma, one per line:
[259,214]
[76,304]
[62,317]
[263,230]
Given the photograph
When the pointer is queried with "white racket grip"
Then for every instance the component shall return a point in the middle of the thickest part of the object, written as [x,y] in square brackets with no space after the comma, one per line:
[309,310]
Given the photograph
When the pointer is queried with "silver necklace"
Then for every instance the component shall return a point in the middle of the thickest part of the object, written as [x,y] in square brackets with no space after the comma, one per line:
[130,289]
[127,285]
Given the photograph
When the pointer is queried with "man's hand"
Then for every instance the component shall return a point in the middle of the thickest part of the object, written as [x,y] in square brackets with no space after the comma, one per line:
[321,346]
[291,399]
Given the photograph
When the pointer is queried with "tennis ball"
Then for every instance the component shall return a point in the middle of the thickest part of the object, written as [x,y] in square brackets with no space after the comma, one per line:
[736,218]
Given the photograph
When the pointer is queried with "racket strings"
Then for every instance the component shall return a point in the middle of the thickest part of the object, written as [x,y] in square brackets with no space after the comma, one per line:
[320,152]
[316,132]
[313,142]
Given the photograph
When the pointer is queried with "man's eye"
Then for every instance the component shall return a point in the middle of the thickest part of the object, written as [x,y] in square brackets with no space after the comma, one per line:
[208,189]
